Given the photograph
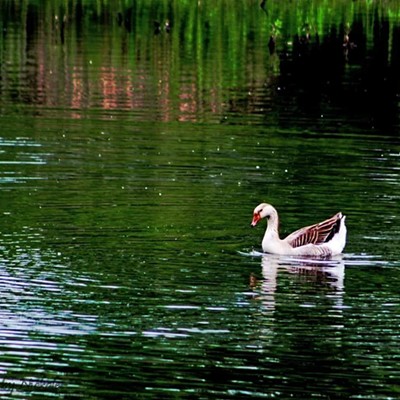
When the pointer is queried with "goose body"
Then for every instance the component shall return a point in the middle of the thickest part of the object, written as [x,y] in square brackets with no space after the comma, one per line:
[326,238]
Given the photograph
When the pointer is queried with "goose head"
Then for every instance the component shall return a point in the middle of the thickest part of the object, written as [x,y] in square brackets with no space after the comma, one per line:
[263,210]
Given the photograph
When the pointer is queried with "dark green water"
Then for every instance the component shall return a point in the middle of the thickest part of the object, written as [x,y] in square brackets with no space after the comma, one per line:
[131,158]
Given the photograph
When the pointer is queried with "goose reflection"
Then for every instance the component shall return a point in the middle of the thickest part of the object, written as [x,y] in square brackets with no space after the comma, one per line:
[325,276]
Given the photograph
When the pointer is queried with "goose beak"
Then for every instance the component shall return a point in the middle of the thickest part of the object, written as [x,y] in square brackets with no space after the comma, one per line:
[256,218]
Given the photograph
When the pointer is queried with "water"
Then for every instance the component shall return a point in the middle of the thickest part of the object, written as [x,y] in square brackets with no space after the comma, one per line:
[130,163]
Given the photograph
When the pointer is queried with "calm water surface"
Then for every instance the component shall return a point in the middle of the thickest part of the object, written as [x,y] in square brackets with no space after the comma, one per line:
[128,268]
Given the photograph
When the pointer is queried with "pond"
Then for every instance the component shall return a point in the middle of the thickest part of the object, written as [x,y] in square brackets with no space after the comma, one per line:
[135,142]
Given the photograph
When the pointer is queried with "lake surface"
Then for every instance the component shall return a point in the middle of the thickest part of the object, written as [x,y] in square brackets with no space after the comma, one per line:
[135,144]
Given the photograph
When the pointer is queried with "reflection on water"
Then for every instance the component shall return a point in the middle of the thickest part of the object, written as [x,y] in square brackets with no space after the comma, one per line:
[26,293]
[39,311]
[79,59]
[314,285]
[121,216]
[15,155]
[308,307]
[124,268]
[324,273]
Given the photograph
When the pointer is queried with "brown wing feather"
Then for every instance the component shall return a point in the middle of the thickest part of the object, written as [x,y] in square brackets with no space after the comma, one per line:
[315,234]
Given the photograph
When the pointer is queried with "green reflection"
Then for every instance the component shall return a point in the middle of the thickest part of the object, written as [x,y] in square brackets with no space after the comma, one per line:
[203,61]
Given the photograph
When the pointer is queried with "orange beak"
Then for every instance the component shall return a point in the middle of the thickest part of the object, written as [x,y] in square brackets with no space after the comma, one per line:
[256,218]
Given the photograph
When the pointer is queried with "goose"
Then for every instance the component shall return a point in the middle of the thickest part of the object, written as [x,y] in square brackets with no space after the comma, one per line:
[324,239]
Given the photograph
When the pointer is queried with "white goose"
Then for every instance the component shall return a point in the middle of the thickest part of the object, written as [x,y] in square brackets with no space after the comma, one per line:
[327,238]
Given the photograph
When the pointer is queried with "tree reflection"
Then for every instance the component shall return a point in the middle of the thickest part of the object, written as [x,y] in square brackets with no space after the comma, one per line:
[269,64]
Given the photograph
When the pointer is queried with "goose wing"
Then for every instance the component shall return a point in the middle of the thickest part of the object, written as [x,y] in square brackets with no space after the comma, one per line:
[317,233]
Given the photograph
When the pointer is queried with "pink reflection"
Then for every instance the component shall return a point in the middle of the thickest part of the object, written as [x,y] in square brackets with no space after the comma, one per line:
[188,105]
[153,88]
[77,90]
[109,88]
